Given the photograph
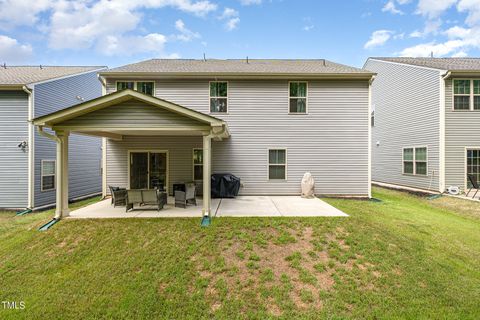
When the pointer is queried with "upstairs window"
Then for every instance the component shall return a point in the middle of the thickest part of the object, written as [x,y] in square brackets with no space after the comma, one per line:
[197,164]
[466,94]
[298,97]
[218,96]
[146,87]
[277,164]
[415,161]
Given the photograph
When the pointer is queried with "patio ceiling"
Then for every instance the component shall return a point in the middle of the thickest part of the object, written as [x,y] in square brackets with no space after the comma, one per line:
[129,112]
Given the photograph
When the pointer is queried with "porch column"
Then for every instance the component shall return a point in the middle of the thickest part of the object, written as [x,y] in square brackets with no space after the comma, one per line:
[207,172]
[62,209]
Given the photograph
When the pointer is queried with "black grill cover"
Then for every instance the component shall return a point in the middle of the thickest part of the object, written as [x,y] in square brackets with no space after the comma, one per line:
[225,185]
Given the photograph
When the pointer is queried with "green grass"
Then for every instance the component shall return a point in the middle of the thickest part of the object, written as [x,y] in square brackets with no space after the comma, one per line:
[406,257]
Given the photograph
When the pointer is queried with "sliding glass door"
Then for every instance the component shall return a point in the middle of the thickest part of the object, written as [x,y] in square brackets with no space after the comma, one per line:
[148,170]
[473,164]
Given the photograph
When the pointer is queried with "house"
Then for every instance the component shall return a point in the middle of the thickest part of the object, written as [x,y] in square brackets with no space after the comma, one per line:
[426,121]
[27,159]
[265,121]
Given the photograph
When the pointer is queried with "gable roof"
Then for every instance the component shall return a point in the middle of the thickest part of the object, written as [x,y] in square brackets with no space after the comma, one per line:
[457,64]
[216,67]
[24,75]
[116,98]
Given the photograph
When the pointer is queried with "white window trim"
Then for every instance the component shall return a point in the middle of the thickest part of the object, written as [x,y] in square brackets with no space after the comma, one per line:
[135,85]
[210,97]
[290,97]
[466,164]
[130,151]
[273,164]
[414,162]
[48,175]
[193,164]
[471,95]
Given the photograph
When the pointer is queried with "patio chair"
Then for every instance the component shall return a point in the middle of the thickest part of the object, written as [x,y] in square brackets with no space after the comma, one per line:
[183,198]
[133,197]
[474,182]
[118,196]
[146,197]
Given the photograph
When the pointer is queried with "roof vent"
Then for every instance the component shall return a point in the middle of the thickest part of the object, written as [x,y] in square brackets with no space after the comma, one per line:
[247,59]
[204,58]
[41,67]
[4,65]
[324,64]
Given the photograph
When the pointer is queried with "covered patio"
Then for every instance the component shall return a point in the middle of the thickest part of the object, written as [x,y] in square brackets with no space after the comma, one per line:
[242,206]
[130,114]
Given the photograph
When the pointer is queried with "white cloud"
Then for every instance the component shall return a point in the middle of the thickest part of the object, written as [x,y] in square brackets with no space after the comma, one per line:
[457,32]
[250,2]
[472,7]
[378,38]
[416,34]
[460,54]
[130,45]
[231,16]
[433,8]
[308,24]
[185,33]
[21,12]
[438,49]
[390,7]
[12,52]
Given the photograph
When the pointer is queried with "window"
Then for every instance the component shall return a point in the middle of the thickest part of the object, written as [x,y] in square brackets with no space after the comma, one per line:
[473,164]
[146,87]
[48,175]
[298,97]
[415,161]
[197,164]
[218,96]
[277,164]
[466,94]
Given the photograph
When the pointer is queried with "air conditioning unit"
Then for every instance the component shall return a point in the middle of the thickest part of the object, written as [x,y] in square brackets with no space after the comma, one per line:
[455,190]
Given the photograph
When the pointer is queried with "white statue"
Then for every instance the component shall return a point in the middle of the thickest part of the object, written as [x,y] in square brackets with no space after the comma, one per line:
[308,186]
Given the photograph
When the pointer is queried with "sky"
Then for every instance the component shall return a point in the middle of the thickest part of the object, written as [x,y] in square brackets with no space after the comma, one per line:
[114,33]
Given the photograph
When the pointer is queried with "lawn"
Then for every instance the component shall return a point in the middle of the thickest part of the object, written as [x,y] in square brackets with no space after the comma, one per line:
[405,257]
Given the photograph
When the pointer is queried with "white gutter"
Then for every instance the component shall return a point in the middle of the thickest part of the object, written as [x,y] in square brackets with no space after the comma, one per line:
[31,150]
[57,141]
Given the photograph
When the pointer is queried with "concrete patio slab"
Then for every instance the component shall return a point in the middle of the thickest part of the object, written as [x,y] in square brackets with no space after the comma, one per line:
[242,206]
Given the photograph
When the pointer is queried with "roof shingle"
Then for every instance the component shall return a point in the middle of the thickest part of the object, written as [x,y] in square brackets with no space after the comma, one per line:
[438,63]
[22,75]
[238,66]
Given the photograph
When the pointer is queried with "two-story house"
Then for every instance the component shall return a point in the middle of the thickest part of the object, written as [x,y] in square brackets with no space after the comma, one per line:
[265,121]
[426,121]
[27,159]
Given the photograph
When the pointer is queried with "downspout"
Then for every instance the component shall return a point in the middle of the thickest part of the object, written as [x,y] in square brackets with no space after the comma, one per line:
[57,141]
[369,161]
[442,138]
[104,144]
[31,150]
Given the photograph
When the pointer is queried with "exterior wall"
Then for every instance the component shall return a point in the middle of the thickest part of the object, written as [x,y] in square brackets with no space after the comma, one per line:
[331,141]
[13,161]
[406,100]
[462,129]
[84,152]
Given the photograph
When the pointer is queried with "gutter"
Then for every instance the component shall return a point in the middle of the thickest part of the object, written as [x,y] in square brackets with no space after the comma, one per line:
[57,141]
[31,150]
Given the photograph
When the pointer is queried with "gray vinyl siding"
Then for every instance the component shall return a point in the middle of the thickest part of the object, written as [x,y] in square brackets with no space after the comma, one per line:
[462,129]
[13,161]
[331,141]
[84,152]
[407,114]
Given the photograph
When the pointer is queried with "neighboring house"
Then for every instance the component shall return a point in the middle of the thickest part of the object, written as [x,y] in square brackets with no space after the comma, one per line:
[270,121]
[27,160]
[426,131]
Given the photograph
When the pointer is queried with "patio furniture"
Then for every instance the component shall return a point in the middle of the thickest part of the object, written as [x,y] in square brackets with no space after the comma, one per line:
[146,197]
[474,182]
[118,196]
[183,198]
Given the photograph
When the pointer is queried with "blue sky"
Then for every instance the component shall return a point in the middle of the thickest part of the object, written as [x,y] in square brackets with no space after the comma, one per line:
[112,33]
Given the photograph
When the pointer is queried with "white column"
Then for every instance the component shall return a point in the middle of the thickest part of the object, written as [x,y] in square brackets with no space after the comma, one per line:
[207,172]
[62,209]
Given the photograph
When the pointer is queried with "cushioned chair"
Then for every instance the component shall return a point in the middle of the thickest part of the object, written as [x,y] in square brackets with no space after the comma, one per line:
[183,198]
[118,196]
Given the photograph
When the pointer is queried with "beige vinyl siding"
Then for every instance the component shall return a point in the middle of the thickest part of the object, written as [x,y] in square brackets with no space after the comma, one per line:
[462,129]
[407,114]
[331,141]
[132,114]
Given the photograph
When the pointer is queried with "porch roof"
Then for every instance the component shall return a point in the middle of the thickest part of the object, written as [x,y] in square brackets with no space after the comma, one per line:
[117,114]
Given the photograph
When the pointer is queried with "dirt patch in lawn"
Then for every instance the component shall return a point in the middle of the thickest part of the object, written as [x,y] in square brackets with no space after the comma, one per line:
[287,263]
